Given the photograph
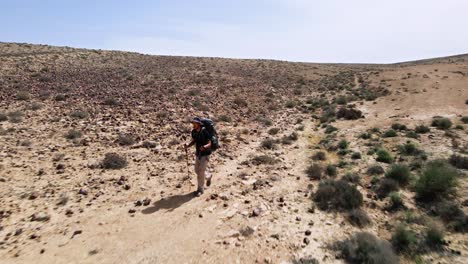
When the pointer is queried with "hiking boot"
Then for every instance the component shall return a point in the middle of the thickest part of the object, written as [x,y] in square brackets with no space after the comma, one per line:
[198,193]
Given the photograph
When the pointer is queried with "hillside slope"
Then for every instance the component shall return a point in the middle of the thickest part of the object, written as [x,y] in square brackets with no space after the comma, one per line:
[63,109]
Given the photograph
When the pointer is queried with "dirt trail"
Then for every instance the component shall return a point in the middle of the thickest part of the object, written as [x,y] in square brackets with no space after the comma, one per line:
[184,229]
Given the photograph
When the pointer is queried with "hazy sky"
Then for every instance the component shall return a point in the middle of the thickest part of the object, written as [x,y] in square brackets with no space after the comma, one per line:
[297,30]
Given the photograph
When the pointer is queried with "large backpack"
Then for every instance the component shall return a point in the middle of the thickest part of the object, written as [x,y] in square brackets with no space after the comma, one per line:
[208,124]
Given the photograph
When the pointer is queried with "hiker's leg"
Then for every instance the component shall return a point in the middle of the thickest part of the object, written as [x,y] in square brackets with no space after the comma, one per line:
[200,173]
[208,175]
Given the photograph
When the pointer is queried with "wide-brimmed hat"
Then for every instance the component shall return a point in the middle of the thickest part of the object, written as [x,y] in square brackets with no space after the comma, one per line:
[196,120]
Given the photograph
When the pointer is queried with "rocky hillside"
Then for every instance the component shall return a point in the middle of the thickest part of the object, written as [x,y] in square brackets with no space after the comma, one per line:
[319,163]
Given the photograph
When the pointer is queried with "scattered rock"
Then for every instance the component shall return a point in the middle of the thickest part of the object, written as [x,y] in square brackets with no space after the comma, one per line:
[40,217]
[146,201]
[308,232]
[33,195]
[83,191]
[306,240]
[77,232]
[131,211]
[256,212]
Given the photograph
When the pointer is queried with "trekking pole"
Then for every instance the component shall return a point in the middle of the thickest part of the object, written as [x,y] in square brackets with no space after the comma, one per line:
[188,165]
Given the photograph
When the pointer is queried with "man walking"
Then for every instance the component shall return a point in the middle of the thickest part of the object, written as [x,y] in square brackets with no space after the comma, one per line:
[202,140]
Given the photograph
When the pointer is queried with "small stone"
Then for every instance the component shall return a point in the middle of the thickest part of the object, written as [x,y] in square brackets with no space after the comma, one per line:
[146,201]
[77,232]
[178,186]
[138,203]
[40,217]
[306,240]
[131,211]
[83,191]
[18,231]
[276,236]
[200,215]
[33,195]
[311,223]
[126,187]
[42,251]
[238,244]
[256,212]
[68,212]
[298,218]
[308,232]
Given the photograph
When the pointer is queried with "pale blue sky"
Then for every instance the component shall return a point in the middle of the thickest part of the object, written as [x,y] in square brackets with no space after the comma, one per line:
[297,30]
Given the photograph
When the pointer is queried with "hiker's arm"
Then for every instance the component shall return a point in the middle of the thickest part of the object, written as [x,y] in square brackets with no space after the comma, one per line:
[190,144]
[207,146]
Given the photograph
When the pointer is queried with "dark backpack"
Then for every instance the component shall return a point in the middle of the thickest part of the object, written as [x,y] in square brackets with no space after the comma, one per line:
[208,124]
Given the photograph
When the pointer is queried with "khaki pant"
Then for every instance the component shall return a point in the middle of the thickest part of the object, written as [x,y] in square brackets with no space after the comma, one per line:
[201,163]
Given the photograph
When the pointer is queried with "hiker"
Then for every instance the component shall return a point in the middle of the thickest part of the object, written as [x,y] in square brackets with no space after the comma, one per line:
[203,141]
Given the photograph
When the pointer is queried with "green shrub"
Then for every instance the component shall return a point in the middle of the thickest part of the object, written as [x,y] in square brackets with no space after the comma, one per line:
[389,133]
[398,126]
[399,173]
[59,97]
[330,129]
[111,101]
[343,144]
[225,118]
[356,155]
[125,140]
[375,170]
[411,134]
[337,195]
[314,171]
[384,156]
[79,114]
[15,116]
[434,236]
[273,131]
[437,180]
[22,96]
[365,136]
[464,119]
[342,152]
[395,200]
[73,134]
[451,213]
[386,186]
[264,159]
[459,127]
[330,170]
[409,149]
[364,247]
[290,104]
[341,100]
[3,117]
[288,140]
[113,161]
[358,217]
[319,155]
[441,123]
[422,129]
[403,239]
[269,143]
[459,161]
[352,177]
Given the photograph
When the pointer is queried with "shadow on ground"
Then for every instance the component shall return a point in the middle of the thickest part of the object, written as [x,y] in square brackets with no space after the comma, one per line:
[169,203]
